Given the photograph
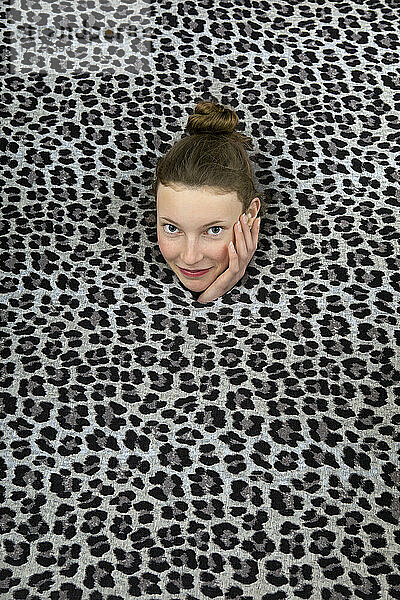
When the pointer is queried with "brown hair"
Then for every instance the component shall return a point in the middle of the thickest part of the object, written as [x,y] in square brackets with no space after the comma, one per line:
[213,154]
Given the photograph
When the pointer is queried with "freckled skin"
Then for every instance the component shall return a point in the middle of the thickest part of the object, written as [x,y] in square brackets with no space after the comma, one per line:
[191,245]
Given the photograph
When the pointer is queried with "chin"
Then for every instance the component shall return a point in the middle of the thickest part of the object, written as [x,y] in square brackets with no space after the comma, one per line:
[196,284]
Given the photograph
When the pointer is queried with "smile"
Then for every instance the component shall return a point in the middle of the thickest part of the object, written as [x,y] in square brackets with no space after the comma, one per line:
[194,273]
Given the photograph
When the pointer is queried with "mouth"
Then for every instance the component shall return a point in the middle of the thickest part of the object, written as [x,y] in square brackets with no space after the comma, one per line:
[194,273]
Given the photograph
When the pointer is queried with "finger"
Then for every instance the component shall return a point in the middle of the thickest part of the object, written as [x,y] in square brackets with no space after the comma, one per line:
[249,240]
[233,258]
[233,255]
[241,244]
[247,233]
[256,229]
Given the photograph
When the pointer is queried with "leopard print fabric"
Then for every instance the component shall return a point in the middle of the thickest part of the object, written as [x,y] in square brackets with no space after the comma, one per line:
[154,447]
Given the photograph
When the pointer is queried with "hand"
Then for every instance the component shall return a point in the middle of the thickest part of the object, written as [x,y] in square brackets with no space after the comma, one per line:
[239,258]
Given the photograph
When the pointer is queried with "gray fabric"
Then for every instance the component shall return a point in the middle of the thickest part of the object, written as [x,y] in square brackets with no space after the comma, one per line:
[159,448]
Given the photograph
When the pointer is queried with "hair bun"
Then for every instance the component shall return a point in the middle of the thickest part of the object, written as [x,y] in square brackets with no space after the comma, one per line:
[210,117]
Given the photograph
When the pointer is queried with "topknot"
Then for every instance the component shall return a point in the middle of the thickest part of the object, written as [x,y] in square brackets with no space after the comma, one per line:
[210,117]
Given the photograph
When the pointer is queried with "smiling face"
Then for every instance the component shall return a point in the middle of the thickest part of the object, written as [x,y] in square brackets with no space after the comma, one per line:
[194,228]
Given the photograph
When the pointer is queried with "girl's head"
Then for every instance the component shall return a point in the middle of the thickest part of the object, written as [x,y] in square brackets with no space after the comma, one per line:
[202,186]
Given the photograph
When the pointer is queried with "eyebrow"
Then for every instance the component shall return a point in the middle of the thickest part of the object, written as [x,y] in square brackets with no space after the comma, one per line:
[207,224]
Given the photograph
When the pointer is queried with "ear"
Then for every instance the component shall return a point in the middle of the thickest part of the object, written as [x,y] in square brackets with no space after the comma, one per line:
[253,210]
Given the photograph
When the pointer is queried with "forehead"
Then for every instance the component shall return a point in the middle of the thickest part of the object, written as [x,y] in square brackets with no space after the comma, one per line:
[203,200]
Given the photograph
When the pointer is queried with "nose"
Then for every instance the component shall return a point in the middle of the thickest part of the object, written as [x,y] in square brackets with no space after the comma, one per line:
[191,253]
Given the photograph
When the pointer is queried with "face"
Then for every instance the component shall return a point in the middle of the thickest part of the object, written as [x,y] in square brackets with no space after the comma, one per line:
[194,228]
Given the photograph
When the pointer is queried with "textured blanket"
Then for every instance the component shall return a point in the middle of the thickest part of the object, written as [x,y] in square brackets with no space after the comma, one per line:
[154,447]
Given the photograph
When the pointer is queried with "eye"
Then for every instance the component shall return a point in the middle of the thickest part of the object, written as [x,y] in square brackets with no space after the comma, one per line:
[216,227]
[169,225]
[212,235]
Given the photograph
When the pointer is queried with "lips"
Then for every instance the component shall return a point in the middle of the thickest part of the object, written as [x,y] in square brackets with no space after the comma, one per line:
[196,271]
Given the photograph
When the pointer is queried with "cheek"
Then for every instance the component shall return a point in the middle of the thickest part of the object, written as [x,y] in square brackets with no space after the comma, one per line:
[221,254]
[165,245]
